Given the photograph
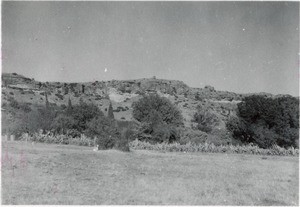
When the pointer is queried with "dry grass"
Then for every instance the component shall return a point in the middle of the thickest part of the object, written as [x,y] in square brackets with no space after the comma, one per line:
[57,174]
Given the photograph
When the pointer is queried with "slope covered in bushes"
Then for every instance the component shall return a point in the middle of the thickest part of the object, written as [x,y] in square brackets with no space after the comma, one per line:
[152,110]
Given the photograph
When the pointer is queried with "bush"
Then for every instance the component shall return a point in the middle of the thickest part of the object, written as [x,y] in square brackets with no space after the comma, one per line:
[19,106]
[63,106]
[222,137]
[49,137]
[165,133]
[106,142]
[82,140]
[61,97]
[205,119]
[193,136]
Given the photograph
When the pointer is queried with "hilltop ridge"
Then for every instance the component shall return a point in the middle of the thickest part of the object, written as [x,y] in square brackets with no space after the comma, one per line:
[171,87]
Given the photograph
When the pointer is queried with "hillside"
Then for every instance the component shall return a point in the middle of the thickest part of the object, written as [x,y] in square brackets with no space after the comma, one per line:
[122,93]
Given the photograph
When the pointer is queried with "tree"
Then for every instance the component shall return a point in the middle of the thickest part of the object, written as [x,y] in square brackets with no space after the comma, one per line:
[238,128]
[110,112]
[159,119]
[62,123]
[66,89]
[82,88]
[169,113]
[47,102]
[83,113]
[39,119]
[105,130]
[70,107]
[267,121]
[123,142]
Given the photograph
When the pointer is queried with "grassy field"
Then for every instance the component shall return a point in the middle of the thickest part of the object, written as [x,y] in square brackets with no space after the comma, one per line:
[58,174]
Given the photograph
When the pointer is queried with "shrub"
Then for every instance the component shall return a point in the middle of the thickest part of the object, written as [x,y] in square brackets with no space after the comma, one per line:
[61,97]
[25,107]
[20,106]
[49,137]
[193,136]
[221,137]
[82,140]
[73,133]
[125,124]
[63,106]
[165,133]
[205,119]
[211,148]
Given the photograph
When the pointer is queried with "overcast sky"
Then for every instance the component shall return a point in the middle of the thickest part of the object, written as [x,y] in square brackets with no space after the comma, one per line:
[235,46]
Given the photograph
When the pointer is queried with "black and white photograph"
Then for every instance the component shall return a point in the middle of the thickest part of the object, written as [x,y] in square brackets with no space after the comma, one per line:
[150,103]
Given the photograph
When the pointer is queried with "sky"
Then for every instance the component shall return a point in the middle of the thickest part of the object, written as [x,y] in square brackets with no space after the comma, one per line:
[242,47]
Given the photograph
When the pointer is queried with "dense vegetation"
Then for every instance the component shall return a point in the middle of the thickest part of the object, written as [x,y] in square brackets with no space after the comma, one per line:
[211,148]
[260,120]
[69,122]
[267,121]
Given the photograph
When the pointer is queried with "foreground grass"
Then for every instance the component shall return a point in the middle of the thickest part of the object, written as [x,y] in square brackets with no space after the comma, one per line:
[59,174]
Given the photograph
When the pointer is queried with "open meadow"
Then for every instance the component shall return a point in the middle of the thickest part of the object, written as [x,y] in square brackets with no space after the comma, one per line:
[61,174]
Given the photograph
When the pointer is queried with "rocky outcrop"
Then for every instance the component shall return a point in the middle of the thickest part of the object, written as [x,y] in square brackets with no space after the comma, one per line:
[138,86]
